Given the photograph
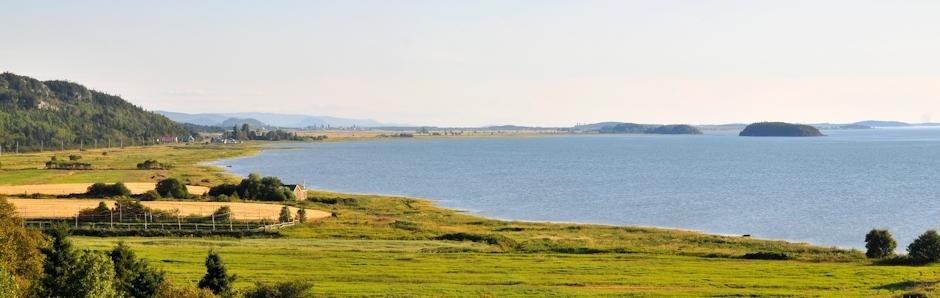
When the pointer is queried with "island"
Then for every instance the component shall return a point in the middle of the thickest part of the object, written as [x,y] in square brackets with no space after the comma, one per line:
[779,129]
[675,129]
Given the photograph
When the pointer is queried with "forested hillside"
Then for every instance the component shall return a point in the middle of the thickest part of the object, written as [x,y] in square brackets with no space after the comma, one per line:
[61,113]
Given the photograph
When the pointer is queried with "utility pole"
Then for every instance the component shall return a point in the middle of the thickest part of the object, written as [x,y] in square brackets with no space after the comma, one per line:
[81,147]
[40,146]
[96,143]
[17,148]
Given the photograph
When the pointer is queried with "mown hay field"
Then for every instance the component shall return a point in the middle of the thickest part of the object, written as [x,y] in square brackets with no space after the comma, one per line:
[78,188]
[66,208]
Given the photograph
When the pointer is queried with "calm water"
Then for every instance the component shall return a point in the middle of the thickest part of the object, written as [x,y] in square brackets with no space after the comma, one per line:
[826,191]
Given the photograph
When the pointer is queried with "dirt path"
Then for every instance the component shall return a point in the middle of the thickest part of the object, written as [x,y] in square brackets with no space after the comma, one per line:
[70,188]
[65,208]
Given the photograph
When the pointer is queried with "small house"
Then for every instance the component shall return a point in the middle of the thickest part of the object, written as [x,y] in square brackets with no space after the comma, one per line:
[169,139]
[190,139]
[298,191]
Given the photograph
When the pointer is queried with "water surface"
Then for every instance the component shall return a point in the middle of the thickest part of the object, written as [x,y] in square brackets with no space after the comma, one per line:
[826,191]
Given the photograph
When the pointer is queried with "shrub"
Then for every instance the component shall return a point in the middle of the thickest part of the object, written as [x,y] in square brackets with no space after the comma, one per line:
[150,195]
[223,213]
[766,256]
[926,248]
[879,244]
[285,215]
[151,164]
[172,188]
[302,215]
[498,240]
[103,189]
[284,289]
[75,157]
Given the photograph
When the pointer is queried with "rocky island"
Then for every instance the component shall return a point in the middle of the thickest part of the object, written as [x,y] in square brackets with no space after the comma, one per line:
[779,129]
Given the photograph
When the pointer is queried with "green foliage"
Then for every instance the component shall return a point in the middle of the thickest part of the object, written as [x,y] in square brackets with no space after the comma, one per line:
[151,195]
[224,213]
[105,190]
[8,286]
[75,157]
[94,277]
[20,257]
[133,276]
[60,265]
[285,215]
[101,210]
[779,129]
[284,289]
[172,188]
[151,164]
[879,244]
[766,256]
[217,278]
[491,239]
[67,165]
[167,289]
[926,248]
[255,188]
[302,215]
[60,112]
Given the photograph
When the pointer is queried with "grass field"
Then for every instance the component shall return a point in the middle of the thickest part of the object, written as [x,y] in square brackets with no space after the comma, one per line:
[381,246]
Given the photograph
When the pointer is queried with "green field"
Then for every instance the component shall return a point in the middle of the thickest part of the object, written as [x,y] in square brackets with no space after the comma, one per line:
[380,246]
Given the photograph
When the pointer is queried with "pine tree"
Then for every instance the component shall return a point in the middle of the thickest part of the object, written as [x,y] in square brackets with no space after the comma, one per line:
[60,264]
[133,276]
[285,214]
[302,215]
[217,279]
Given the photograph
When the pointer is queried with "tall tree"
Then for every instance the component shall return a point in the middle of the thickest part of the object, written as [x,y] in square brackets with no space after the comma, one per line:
[879,243]
[60,265]
[133,276]
[217,278]
[20,255]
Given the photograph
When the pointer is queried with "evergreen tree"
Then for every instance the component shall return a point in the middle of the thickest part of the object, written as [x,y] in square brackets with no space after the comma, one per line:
[60,264]
[217,278]
[302,215]
[133,276]
[285,214]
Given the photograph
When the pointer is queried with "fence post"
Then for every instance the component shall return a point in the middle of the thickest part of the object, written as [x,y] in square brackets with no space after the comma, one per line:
[230,221]
[179,221]
[145,220]
[213,222]
[112,219]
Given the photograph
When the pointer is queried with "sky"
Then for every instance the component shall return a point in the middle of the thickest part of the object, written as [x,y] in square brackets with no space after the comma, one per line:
[477,63]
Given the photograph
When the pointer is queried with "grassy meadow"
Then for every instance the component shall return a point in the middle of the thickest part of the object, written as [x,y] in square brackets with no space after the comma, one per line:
[383,246]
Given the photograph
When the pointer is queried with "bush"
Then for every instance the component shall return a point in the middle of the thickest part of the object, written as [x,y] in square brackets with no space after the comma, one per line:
[498,240]
[150,195]
[926,248]
[285,215]
[879,244]
[103,190]
[285,289]
[172,188]
[766,256]
[150,164]
[75,157]
[223,213]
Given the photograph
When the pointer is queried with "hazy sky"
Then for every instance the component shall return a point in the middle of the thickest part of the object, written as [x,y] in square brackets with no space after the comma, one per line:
[474,63]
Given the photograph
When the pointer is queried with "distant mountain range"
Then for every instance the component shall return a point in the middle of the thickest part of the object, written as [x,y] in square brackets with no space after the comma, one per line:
[269,119]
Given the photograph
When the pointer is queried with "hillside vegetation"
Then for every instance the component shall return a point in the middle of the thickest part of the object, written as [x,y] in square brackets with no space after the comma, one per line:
[779,129]
[57,114]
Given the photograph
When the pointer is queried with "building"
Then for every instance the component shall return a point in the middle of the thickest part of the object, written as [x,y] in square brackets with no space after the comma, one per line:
[169,139]
[298,191]
[190,139]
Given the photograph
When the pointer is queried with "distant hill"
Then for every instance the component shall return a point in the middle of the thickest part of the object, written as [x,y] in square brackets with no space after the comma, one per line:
[254,123]
[34,112]
[273,119]
[875,123]
[680,129]
[779,129]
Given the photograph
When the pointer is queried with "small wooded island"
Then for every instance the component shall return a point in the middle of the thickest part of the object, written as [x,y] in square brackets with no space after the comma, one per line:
[779,129]
[680,129]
